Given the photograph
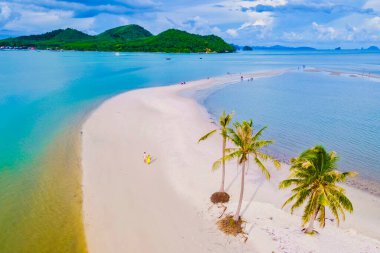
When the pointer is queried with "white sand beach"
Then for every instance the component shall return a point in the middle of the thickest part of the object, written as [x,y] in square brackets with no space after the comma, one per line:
[165,207]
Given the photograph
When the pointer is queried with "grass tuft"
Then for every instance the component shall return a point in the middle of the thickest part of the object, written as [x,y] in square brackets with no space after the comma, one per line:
[231,227]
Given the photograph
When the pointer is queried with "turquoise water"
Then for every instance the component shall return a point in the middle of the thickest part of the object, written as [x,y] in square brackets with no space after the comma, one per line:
[41,91]
[43,94]
[303,109]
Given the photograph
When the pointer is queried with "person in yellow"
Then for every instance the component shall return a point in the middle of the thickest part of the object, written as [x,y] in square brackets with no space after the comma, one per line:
[148,159]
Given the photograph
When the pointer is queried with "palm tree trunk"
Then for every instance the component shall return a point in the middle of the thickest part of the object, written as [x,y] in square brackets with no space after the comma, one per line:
[237,214]
[223,166]
[310,228]
[246,171]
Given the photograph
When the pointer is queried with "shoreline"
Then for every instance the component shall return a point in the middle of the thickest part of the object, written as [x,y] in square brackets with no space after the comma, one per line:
[359,182]
[179,182]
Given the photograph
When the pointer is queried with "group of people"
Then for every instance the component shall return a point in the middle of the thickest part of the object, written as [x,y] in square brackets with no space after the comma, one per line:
[302,67]
[183,83]
[249,79]
[147,158]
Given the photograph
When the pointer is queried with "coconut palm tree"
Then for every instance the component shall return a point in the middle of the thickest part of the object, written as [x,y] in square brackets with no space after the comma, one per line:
[248,144]
[314,176]
[224,121]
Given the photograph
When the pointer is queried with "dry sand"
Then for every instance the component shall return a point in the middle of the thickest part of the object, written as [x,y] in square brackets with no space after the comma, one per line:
[164,207]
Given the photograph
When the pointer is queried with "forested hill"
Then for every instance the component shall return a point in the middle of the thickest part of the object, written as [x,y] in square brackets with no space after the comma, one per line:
[129,38]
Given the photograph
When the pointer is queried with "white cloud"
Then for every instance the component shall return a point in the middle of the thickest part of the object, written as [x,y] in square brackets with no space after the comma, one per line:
[37,21]
[195,24]
[140,3]
[348,30]
[374,4]
[5,11]
[325,32]
[374,23]
[6,14]
[258,24]
[273,3]
[232,32]
[292,36]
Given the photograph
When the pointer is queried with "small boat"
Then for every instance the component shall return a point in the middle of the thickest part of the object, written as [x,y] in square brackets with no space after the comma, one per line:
[117,54]
[168,59]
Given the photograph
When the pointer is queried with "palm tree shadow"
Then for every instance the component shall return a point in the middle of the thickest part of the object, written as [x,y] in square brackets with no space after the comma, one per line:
[232,182]
[252,197]
[250,230]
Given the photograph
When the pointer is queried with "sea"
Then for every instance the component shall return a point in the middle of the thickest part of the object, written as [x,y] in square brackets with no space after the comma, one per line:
[46,95]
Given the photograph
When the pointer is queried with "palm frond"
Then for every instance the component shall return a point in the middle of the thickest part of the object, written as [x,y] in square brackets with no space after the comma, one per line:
[262,167]
[322,217]
[207,135]
[302,196]
[216,165]
[310,207]
[262,143]
[266,157]
[230,150]
[288,182]
[259,133]
[230,156]
[342,200]
[277,163]
[289,200]
[225,119]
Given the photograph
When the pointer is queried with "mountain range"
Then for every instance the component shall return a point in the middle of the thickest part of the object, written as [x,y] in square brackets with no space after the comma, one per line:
[129,38]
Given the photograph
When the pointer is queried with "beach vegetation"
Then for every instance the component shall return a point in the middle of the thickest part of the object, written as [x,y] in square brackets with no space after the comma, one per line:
[231,227]
[248,144]
[223,128]
[314,179]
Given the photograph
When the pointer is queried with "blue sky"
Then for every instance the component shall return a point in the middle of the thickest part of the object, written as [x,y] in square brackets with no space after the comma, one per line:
[322,24]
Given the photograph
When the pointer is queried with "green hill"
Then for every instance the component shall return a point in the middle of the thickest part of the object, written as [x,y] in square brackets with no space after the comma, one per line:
[129,38]
[56,38]
[125,33]
[176,41]
[70,35]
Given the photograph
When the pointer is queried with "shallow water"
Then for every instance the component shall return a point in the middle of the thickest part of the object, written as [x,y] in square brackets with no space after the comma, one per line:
[45,95]
[304,109]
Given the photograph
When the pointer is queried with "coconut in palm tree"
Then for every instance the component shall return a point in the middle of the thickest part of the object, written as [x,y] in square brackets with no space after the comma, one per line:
[247,144]
[314,177]
[224,120]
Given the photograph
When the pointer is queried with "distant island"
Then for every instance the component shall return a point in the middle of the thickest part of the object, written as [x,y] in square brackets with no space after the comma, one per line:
[129,38]
[372,48]
[303,48]
[283,48]
[273,48]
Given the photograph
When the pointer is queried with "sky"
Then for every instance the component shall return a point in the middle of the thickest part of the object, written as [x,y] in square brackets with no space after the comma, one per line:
[321,24]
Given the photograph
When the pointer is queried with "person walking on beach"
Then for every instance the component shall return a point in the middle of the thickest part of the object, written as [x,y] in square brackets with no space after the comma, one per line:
[148,159]
[145,157]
